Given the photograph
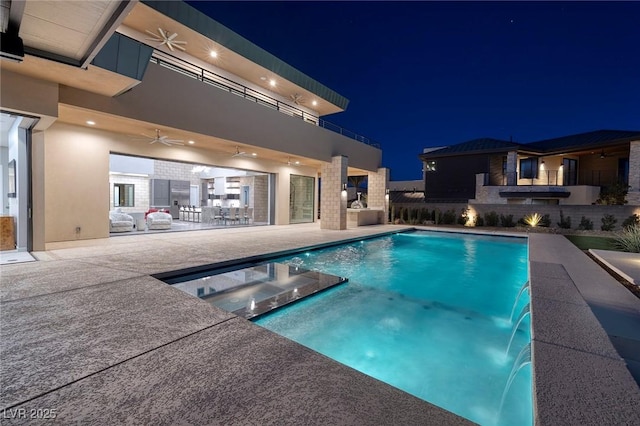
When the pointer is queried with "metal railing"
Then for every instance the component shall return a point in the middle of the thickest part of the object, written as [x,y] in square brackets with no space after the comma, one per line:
[186,68]
[552,178]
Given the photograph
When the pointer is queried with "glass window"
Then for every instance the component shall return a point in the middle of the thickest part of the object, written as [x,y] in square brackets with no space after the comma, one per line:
[301,198]
[529,168]
[123,195]
[430,166]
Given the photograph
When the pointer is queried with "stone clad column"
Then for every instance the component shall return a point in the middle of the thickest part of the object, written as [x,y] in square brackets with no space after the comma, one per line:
[512,168]
[377,184]
[633,196]
[333,203]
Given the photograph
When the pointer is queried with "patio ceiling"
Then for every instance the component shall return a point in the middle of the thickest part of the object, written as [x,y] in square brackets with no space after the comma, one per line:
[135,130]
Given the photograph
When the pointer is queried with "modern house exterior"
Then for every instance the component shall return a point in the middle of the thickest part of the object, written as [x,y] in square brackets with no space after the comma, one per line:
[104,103]
[568,170]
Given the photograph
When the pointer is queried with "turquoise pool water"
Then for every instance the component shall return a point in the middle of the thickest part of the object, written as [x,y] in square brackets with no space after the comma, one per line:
[429,313]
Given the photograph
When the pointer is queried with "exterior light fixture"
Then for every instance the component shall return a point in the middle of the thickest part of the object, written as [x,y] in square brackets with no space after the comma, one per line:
[344,190]
[344,186]
[272,83]
[213,54]
[386,191]
[91,123]
[253,154]
[314,103]
[191,142]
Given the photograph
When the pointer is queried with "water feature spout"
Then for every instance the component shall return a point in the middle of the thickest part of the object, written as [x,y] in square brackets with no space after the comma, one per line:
[525,287]
[522,360]
[526,310]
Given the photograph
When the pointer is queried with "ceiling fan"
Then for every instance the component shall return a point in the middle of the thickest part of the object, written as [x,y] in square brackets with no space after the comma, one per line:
[239,153]
[297,98]
[163,139]
[163,37]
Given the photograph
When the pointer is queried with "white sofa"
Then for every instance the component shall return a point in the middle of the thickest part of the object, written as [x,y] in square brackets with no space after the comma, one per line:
[120,222]
[159,220]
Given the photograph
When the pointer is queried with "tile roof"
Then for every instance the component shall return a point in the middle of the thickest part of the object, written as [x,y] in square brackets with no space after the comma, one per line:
[482,144]
[588,139]
[585,139]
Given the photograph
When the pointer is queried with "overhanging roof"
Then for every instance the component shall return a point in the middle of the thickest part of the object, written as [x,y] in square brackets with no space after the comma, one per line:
[244,58]
[580,141]
[482,145]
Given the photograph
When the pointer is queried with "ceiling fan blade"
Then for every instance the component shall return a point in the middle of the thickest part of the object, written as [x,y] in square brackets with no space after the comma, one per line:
[172,36]
[169,45]
[162,33]
[178,42]
[179,47]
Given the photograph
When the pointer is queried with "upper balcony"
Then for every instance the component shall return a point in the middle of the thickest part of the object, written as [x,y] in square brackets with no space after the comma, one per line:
[229,85]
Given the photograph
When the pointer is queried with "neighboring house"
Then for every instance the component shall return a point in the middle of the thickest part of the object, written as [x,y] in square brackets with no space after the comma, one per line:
[77,99]
[566,170]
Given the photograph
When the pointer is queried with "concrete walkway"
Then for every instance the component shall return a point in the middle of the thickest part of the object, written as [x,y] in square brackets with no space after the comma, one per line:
[627,265]
[89,332]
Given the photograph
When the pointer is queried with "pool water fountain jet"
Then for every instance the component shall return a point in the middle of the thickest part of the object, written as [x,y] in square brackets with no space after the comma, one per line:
[522,360]
[525,287]
[526,310]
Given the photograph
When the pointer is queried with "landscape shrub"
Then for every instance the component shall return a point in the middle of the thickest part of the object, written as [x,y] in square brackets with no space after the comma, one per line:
[479,220]
[608,222]
[632,220]
[449,217]
[491,219]
[565,223]
[507,221]
[532,219]
[545,221]
[629,239]
[585,224]
[424,216]
[464,217]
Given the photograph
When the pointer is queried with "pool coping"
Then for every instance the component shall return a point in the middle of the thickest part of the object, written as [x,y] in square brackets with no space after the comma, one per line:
[576,378]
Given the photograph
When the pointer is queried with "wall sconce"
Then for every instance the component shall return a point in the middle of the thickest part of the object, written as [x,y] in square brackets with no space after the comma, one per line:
[386,194]
[344,189]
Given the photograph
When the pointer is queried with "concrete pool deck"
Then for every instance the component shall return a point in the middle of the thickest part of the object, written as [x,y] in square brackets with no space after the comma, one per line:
[87,331]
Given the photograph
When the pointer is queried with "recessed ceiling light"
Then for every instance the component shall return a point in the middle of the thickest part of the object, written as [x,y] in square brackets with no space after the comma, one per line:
[91,123]
[213,54]
[314,103]
[296,163]
[263,78]
[272,83]
[191,142]
[254,154]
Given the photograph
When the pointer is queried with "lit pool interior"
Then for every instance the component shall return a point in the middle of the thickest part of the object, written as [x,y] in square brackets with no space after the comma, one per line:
[441,316]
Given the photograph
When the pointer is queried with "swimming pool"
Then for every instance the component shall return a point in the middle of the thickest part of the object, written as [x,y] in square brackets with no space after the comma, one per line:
[430,313]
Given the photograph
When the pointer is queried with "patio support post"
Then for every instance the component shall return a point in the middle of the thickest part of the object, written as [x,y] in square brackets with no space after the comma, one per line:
[512,168]
[633,196]
[333,200]
[377,184]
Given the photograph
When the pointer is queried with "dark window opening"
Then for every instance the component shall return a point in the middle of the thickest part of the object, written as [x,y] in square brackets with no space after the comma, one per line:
[529,168]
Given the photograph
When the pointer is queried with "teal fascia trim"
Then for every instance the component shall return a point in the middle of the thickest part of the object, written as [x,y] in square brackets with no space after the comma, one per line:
[198,21]
[124,56]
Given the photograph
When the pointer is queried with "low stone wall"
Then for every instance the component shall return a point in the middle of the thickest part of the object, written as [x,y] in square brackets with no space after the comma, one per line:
[592,212]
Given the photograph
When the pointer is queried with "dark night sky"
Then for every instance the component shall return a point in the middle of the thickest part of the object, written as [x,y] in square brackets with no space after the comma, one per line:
[423,74]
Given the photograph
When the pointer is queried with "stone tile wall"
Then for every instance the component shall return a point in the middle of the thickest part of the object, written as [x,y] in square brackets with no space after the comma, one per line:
[633,196]
[333,202]
[140,195]
[376,193]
